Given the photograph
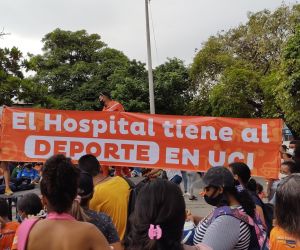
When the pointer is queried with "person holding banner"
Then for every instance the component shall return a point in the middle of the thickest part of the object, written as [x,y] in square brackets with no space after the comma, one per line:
[109,104]
[6,173]
[112,106]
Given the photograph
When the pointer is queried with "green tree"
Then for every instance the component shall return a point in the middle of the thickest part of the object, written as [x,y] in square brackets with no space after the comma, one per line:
[73,68]
[205,73]
[237,72]
[237,95]
[289,89]
[172,87]
[10,75]
[131,87]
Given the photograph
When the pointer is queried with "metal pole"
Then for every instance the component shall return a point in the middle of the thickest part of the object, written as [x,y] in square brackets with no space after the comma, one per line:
[150,73]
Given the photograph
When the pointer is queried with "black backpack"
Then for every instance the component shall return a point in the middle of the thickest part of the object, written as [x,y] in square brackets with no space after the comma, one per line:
[268,210]
[134,191]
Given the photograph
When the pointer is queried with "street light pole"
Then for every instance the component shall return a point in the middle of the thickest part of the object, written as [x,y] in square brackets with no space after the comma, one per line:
[150,73]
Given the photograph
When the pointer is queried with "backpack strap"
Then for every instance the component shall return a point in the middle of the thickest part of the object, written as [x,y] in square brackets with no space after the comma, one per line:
[225,210]
[24,231]
[240,215]
[129,182]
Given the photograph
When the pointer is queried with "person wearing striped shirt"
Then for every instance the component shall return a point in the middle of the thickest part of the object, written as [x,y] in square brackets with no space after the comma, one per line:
[225,232]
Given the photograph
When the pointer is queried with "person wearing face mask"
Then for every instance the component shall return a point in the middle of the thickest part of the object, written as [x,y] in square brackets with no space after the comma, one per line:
[29,173]
[110,105]
[30,205]
[286,153]
[287,168]
[232,223]
[294,144]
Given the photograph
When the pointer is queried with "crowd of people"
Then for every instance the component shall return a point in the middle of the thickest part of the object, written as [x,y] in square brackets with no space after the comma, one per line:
[93,206]
[90,209]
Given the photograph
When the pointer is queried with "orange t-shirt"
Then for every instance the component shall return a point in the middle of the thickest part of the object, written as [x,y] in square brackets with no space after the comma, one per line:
[113,106]
[8,234]
[281,240]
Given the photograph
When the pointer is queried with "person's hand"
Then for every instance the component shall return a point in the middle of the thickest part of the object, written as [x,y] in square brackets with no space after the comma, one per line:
[189,216]
[100,98]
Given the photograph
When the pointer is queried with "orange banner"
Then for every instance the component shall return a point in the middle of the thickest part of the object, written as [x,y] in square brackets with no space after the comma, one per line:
[142,140]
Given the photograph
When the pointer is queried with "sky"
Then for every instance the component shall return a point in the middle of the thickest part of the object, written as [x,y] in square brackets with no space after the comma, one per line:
[180,26]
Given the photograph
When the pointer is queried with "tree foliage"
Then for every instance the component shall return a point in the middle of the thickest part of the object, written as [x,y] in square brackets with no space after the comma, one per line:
[171,87]
[10,74]
[289,88]
[252,70]
[237,73]
[75,67]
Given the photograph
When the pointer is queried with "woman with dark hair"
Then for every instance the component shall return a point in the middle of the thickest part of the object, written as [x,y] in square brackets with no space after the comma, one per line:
[80,210]
[59,230]
[286,233]
[158,218]
[231,224]
[242,174]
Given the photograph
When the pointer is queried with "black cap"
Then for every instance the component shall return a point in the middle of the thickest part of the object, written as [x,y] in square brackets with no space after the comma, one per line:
[86,186]
[218,177]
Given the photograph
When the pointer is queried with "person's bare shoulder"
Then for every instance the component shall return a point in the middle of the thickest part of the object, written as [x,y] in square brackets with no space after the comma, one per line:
[95,238]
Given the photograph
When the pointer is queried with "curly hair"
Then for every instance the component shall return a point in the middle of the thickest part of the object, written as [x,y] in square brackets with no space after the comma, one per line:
[159,202]
[60,182]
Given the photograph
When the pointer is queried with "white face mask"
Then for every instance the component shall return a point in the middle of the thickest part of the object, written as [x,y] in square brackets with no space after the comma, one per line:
[282,176]
[291,151]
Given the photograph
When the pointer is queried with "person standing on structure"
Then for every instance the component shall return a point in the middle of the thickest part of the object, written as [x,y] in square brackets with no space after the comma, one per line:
[111,105]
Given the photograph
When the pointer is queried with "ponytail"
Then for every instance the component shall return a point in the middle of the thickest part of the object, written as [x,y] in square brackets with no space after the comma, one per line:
[78,213]
[251,185]
[244,198]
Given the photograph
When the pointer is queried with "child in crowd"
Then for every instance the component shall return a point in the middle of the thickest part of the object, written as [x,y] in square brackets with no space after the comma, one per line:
[30,205]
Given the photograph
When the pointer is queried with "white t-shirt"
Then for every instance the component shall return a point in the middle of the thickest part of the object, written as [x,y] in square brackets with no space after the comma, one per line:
[171,173]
